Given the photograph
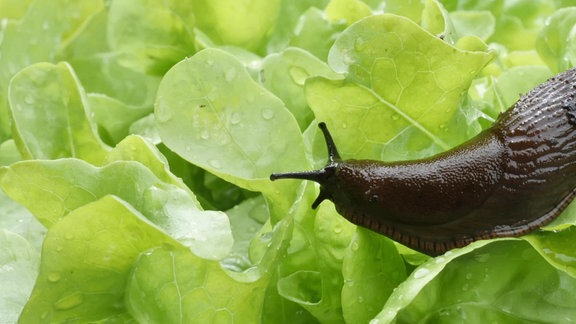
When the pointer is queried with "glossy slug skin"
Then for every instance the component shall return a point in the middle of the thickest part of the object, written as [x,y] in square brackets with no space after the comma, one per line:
[509,180]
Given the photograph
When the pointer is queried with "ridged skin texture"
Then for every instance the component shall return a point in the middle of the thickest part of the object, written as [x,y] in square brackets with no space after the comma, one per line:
[508,181]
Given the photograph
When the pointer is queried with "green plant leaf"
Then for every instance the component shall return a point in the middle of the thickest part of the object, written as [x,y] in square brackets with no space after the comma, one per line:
[243,23]
[50,115]
[388,66]
[372,269]
[42,33]
[209,110]
[285,74]
[151,36]
[485,281]
[19,269]
[66,184]
[86,261]
[173,285]
[554,42]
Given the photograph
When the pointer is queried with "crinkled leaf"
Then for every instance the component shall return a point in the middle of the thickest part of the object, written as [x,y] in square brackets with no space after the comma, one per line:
[44,31]
[173,285]
[285,73]
[151,36]
[64,185]
[86,261]
[246,220]
[486,281]
[50,115]
[372,269]
[19,269]
[99,70]
[389,66]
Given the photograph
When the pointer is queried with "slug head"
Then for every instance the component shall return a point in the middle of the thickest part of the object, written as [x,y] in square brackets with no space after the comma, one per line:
[324,176]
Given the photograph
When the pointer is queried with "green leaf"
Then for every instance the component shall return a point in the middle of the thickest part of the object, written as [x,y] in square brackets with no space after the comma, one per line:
[42,33]
[243,23]
[554,42]
[556,247]
[486,281]
[209,111]
[19,269]
[315,33]
[372,269]
[114,117]
[86,261]
[151,36]
[246,220]
[173,285]
[50,115]
[348,11]
[66,184]
[478,23]
[285,74]
[387,59]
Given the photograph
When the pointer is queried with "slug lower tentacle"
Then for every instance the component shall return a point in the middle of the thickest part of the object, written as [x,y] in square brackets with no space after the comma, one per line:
[509,180]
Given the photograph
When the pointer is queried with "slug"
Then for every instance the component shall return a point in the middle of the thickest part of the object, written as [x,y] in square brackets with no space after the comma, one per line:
[509,180]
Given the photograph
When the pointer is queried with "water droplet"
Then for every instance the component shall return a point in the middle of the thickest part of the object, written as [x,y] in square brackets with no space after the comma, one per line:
[354,246]
[163,113]
[267,114]
[298,75]
[215,164]
[468,276]
[205,134]
[360,44]
[69,301]
[360,299]
[344,125]
[29,99]
[54,277]
[188,148]
[46,25]
[395,117]
[235,119]
[230,75]
[338,230]
[210,62]
[421,272]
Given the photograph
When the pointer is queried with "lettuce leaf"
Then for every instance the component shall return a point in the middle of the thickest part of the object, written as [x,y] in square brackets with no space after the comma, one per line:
[137,138]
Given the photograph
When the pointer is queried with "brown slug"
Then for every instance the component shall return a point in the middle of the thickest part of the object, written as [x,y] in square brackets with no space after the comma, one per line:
[509,180]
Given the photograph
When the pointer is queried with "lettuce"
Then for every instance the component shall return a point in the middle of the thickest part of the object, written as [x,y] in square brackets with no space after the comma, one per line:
[137,138]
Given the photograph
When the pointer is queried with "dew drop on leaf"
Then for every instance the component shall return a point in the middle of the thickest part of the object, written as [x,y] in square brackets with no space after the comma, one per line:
[215,164]
[267,114]
[298,75]
[70,301]
[235,119]
[421,273]
[54,277]
[230,75]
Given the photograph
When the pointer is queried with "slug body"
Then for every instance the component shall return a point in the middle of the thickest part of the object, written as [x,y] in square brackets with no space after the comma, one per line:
[509,180]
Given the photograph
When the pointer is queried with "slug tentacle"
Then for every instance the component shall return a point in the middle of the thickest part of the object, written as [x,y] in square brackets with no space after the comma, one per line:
[509,180]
